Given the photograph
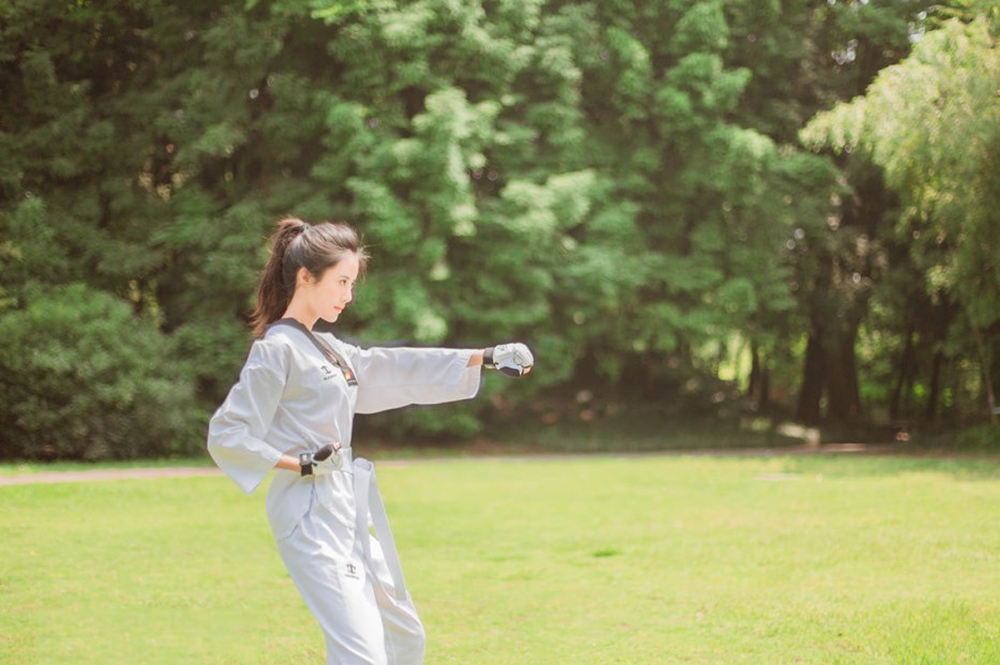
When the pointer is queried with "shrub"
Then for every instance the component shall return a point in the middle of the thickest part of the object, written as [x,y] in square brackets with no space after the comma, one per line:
[981,439]
[82,377]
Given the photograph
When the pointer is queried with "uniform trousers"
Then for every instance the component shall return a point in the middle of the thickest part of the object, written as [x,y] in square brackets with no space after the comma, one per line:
[352,581]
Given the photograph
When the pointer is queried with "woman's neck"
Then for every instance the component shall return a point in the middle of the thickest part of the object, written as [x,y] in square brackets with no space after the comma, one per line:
[300,312]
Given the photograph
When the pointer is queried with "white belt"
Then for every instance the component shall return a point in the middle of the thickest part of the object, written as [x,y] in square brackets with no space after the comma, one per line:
[368,499]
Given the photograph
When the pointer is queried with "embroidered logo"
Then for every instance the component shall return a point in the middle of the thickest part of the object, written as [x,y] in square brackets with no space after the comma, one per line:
[352,570]
[327,372]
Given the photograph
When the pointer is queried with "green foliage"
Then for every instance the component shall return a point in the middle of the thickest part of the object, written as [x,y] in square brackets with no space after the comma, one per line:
[931,123]
[84,379]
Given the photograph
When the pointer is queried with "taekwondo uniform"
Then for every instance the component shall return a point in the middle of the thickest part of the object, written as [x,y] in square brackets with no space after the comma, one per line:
[291,398]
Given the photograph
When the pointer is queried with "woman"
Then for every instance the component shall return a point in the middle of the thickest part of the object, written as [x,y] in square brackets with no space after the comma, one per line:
[292,410]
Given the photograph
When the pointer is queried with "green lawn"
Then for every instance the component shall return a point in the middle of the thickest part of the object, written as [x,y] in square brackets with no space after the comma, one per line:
[677,559]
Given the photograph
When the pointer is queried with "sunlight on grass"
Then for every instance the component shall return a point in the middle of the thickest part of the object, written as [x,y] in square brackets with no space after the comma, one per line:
[577,560]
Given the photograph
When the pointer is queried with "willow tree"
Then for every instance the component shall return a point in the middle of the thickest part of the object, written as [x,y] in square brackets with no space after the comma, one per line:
[932,123]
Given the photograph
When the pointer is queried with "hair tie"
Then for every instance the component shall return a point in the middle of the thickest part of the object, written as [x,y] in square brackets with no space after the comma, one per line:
[303,227]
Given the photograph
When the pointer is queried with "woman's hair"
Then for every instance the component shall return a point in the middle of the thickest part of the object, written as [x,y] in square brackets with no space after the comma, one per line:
[298,244]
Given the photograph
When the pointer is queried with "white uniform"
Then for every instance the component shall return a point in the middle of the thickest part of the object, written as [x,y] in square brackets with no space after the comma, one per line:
[291,399]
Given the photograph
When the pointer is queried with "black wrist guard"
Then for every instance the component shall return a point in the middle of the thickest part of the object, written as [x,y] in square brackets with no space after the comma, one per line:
[306,462]
[488,358]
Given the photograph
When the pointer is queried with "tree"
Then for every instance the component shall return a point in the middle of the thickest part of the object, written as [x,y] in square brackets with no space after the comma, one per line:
[691,196]
[807,56]
[931,123]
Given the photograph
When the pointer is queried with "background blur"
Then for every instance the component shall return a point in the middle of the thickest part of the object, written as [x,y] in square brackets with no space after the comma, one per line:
[744,213]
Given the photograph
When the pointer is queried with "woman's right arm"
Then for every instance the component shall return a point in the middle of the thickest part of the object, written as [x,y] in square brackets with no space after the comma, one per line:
[237,430]
[289,463]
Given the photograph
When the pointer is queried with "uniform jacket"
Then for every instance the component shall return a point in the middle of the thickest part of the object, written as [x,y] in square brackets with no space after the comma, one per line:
[290,398]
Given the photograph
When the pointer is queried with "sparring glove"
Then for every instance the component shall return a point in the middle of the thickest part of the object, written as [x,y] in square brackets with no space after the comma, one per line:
[509,359]
[321,462]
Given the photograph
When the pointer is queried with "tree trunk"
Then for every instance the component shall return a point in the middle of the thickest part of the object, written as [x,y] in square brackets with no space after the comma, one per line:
[813,380]
[844,396]
[930,411]
[984,364]
[760,380]
[903,372]
[994,353]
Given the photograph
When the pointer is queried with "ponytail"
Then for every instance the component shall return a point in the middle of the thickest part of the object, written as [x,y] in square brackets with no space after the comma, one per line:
[296,244]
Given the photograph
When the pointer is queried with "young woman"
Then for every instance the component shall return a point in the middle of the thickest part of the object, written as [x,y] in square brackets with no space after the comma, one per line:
[293,409]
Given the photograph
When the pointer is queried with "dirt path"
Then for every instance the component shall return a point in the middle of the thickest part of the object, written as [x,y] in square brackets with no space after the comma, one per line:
[107,474]
[190,472]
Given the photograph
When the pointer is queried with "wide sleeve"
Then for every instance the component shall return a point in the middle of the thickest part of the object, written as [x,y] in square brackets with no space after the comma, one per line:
[389,378]
[236,431]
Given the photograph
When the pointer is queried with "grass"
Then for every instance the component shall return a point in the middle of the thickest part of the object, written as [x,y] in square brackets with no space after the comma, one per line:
[582,560]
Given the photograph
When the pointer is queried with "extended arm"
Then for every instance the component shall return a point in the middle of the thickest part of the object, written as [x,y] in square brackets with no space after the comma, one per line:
[389,378]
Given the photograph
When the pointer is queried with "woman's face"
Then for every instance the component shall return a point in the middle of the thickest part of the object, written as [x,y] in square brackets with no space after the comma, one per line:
[329,295]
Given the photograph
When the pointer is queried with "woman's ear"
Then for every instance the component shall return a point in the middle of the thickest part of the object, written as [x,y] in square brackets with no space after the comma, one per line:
[303,278]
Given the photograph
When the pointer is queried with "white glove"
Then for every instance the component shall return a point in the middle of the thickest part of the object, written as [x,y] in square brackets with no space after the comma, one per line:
[321,462]
[509,359]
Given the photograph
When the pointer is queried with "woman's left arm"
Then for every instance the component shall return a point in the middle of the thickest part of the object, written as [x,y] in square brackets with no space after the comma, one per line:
[390,378]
